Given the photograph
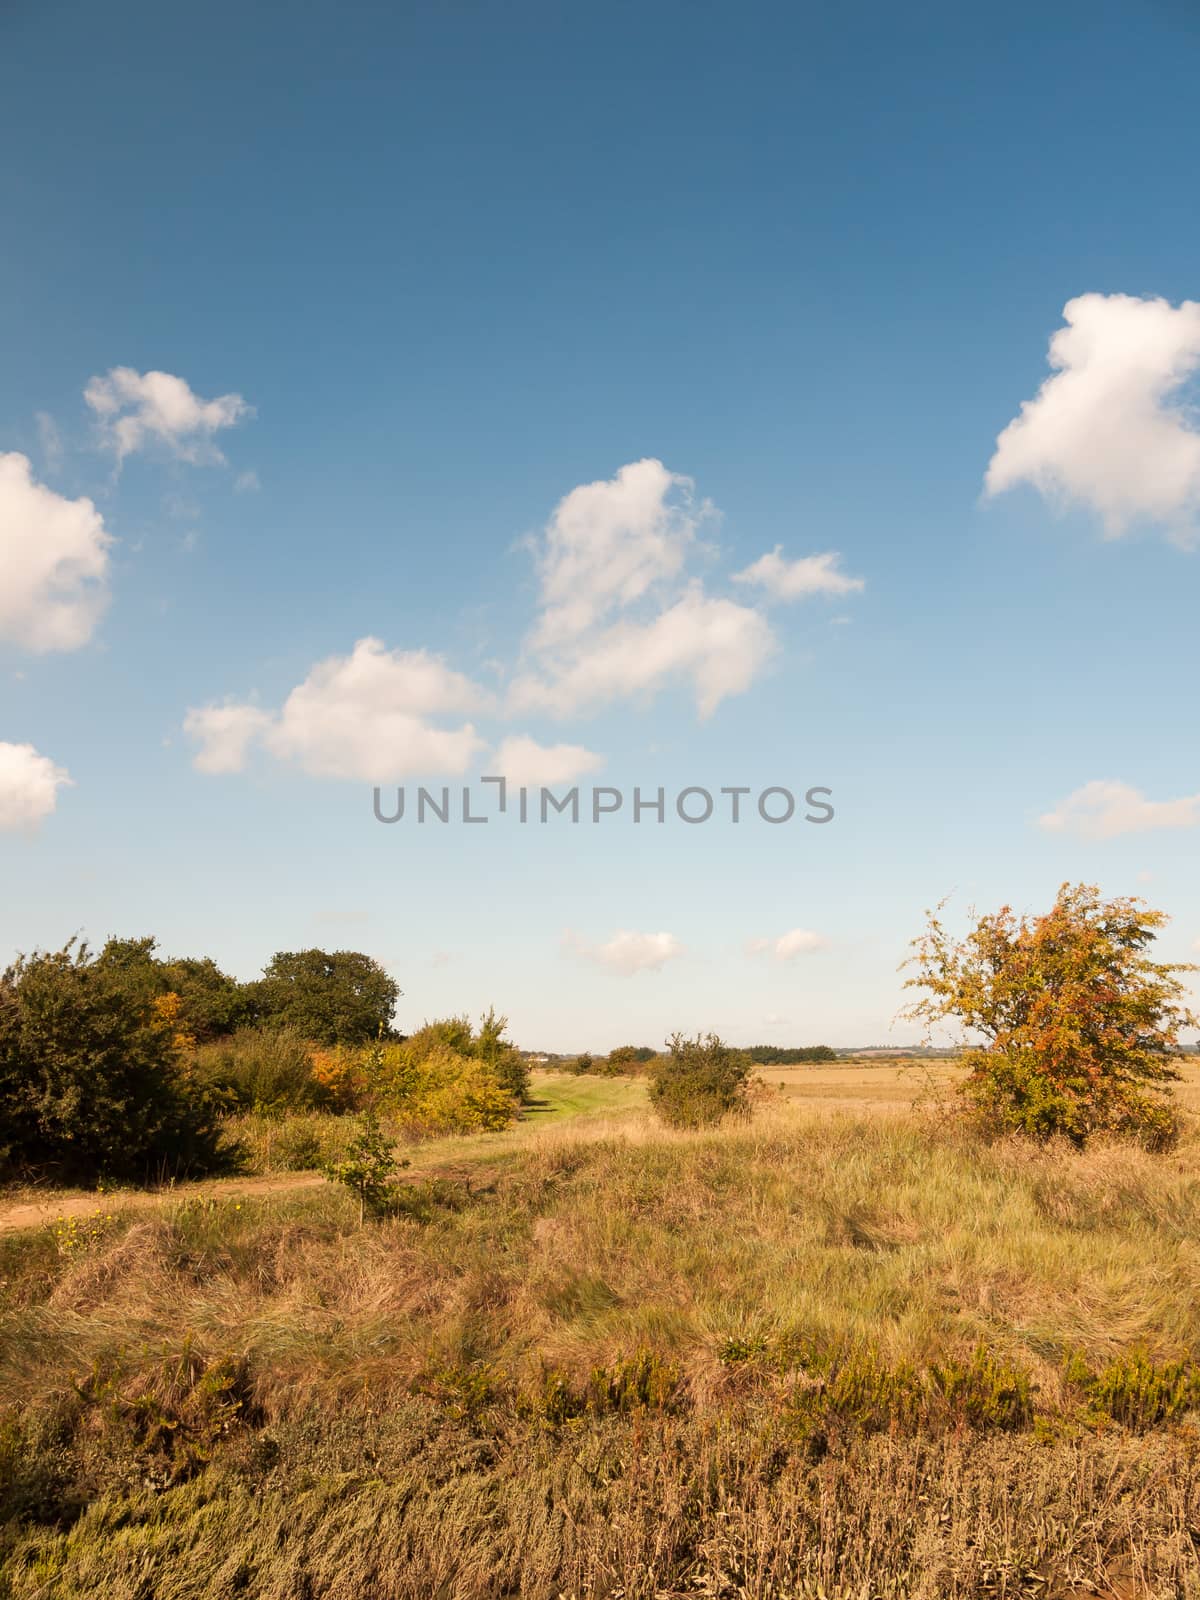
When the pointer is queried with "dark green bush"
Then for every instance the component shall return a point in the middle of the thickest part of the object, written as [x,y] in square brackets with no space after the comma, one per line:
[211,1004]
[90,1077]
[628,1060]
[699,1081]
[330,997]
[261,1069]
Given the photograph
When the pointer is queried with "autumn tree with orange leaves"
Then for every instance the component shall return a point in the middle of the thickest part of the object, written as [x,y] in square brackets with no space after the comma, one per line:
[1080,1026]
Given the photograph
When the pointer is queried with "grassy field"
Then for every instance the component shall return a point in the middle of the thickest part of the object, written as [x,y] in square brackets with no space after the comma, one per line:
[828,1353]
[900,1085]
[282,1153]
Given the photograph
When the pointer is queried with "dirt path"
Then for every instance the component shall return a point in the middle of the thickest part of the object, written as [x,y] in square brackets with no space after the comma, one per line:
[36,1213]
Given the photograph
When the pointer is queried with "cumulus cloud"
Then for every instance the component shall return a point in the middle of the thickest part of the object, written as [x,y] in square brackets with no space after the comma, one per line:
[135,409]
[524,761]
[1110,429]
[608,543]
[224,734]
[29,785]
[789,946]
[716,646]
[793,580]
[619,616]
[53,562]
[1104,809]
[628,953]
[363,716]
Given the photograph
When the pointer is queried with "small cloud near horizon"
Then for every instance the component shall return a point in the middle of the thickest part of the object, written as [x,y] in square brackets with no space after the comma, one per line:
[627,953]
[788,946]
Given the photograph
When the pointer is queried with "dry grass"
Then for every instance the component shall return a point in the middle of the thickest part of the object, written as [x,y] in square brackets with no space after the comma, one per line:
[407,1507]
[800,1291]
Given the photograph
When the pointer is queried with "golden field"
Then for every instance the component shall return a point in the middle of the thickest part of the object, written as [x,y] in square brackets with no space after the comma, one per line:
[825,1352]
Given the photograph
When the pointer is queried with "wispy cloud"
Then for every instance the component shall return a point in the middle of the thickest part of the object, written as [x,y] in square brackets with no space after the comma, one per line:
[50,440]
[789,946]
[1105,808]
[796,580]
[136,409]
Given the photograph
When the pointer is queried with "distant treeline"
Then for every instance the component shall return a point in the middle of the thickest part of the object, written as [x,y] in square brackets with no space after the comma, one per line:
[774,1055]
[632,1059]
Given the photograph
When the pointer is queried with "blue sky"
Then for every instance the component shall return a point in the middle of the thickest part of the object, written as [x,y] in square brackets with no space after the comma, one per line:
[418,276]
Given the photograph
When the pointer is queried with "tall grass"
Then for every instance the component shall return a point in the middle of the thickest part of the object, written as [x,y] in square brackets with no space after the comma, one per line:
[865,1355]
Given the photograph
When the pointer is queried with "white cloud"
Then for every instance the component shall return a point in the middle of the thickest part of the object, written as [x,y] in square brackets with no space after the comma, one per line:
[619,618]
[793,580]
[789,946]
[53,562]
[1104,808]
[364,716]
[225,734]
[138,408]
[246,482]
[717,646]
[523,761]
[628,953]
[29,785]
[609,543]
[1109,429]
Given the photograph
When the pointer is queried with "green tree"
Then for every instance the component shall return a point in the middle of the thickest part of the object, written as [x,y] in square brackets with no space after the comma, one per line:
[89,1078]
[496,1051]
[338,997]
[368,1168]
[1080,1027]
[214,1005]
[490,1045]
[636,1055]
[211,1004]
[699,1081]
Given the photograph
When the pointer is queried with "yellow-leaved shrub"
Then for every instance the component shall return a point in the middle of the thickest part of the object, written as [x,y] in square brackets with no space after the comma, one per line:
[430,1088]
